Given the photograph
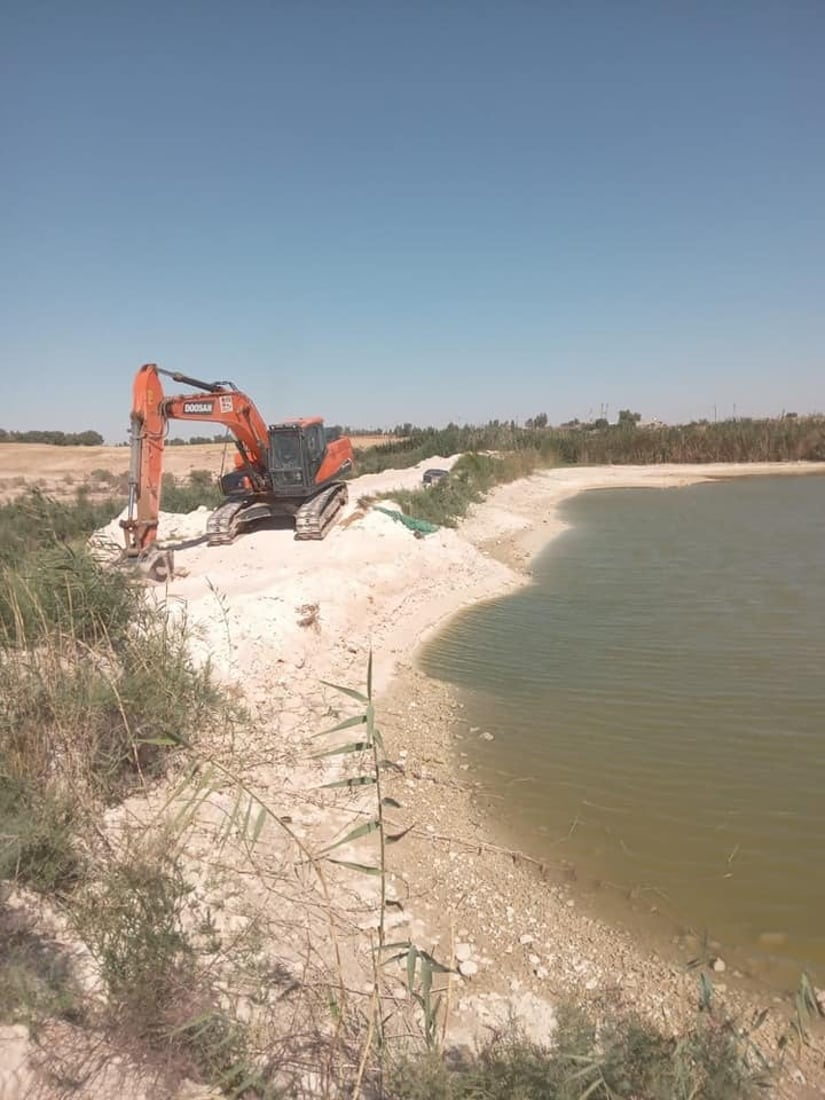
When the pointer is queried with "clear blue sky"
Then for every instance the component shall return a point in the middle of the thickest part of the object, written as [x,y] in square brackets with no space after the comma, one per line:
[423,211]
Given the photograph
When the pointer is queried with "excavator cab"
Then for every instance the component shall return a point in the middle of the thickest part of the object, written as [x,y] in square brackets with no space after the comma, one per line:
[297,449]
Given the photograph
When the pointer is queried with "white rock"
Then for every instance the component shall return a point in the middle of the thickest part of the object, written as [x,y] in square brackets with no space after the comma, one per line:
[525,938]
[468,968]
[463,951]
[487,736]
[718,965]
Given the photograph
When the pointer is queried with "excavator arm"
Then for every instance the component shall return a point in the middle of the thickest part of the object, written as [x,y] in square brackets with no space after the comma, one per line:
[221,403]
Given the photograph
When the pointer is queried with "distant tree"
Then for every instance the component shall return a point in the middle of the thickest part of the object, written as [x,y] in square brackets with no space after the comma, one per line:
[529,422]
[602,422]
[57,439]
[90,439]
[628,419]
[540,421]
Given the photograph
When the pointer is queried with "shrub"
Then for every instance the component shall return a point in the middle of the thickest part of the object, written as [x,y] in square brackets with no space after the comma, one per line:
[35,522]
[186,498]
[472,476]
[103,477]
[627,1059]
[132,921]
[35,974]
[100,722]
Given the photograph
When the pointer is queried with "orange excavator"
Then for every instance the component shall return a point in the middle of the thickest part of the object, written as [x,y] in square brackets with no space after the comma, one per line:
[287,469]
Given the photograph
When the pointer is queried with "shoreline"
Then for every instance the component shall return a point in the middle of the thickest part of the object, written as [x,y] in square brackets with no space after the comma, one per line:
[522,543]
[603,961]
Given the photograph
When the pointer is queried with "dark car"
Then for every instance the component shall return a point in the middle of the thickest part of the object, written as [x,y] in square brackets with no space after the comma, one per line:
[432,477]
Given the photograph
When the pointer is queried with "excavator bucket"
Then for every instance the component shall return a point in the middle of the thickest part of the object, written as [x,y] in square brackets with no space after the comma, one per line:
[157,566]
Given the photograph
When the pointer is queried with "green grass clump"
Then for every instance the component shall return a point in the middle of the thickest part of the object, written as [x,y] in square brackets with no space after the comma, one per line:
[471,478]
[132,921]
[201,488]
[103,715]
[36,980]
[161,998]
[37,836]
[96,691]
[628,1059]
[35,521]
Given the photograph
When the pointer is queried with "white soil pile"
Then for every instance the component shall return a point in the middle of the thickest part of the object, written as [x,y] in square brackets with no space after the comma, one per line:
[267,601]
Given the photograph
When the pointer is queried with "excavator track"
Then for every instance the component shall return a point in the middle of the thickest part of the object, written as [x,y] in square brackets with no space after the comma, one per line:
[312,520]
[227,521]
[315,517]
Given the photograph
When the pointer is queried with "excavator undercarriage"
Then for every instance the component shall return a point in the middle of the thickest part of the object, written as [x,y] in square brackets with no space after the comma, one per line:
[312,518]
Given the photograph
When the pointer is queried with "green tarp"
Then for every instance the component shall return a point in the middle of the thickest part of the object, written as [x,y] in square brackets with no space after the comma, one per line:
[420,525]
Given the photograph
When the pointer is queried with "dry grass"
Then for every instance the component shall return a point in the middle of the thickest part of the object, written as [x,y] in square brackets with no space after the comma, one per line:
[22,464]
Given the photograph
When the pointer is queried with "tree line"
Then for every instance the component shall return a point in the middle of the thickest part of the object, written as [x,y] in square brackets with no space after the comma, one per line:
[57,439]
[785,439]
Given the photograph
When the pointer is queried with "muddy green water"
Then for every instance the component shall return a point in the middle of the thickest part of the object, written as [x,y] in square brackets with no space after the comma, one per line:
[661,684]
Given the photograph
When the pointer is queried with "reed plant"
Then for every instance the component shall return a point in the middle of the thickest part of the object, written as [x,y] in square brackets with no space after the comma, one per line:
[785,439]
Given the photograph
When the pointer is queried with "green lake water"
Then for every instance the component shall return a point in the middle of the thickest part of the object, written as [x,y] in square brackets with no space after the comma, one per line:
[660,688]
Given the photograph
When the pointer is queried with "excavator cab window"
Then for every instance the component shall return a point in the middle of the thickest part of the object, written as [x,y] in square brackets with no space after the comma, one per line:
[316,444]
[287,449]
[288,459]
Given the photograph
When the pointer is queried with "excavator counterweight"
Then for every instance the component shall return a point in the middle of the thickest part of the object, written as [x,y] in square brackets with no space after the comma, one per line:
[287,469]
